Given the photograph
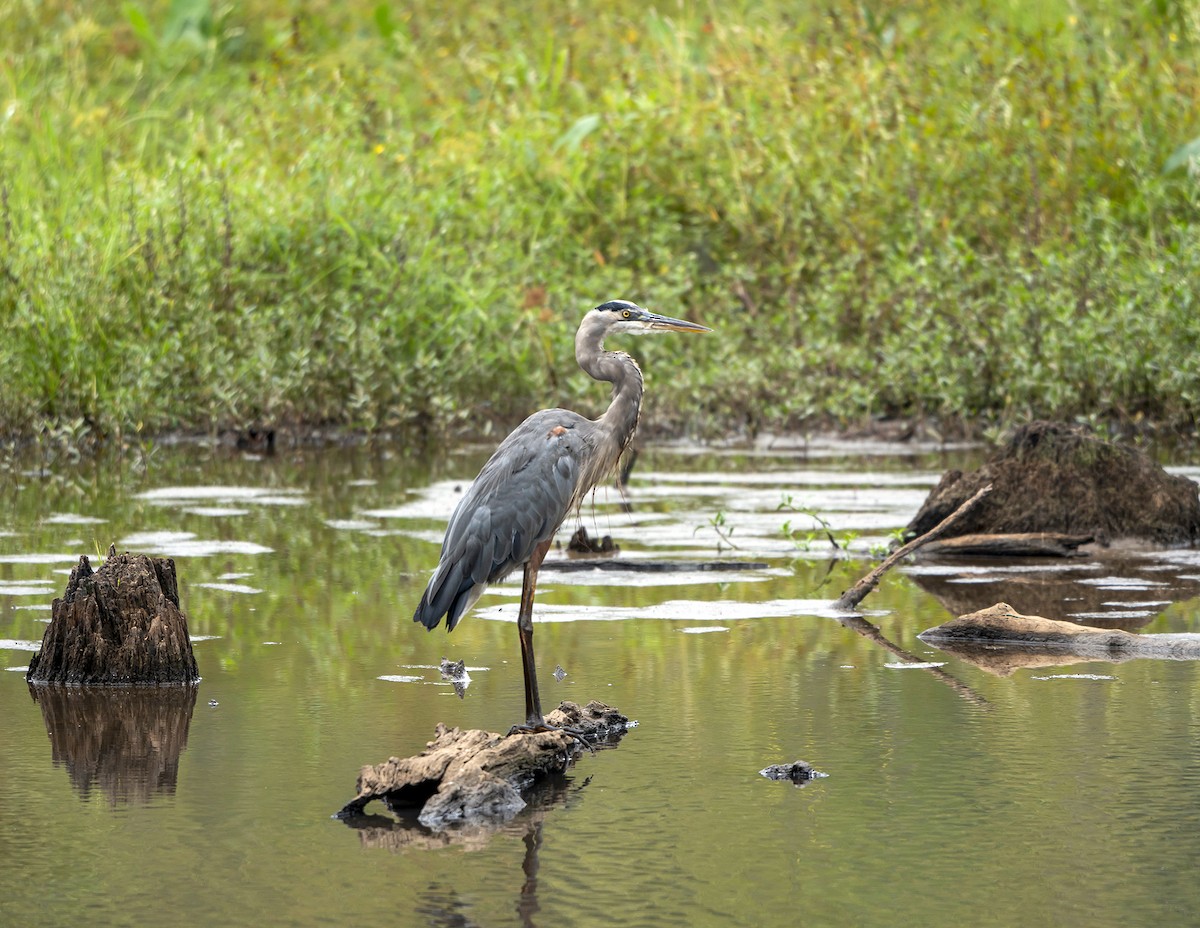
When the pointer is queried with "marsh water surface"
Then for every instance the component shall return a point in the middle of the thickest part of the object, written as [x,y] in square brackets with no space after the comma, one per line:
[1057,793]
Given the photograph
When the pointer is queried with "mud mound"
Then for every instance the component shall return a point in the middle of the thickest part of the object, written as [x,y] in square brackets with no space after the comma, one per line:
[1053,477]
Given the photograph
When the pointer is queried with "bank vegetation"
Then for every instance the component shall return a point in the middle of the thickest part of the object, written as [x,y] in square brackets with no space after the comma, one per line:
[384,216]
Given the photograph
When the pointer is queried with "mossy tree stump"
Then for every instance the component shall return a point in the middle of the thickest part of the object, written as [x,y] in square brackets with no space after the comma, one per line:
[120,625]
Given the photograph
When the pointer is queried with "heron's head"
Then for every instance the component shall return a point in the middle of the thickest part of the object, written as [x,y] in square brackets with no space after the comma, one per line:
[620,316]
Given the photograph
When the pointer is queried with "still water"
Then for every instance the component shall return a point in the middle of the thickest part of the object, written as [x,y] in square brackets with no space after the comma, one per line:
[957,794]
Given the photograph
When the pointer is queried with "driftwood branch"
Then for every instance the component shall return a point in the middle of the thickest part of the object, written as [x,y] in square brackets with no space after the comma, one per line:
[853,596]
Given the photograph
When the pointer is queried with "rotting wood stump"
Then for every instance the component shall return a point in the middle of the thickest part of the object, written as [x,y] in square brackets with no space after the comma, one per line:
[120,625]
[475,776]
[1055,477]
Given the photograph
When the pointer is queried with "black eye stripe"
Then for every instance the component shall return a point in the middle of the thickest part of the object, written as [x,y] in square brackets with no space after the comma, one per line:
[616,306]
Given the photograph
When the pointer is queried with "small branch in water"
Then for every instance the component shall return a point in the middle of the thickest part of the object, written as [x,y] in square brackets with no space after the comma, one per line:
[853,596]
[718,524]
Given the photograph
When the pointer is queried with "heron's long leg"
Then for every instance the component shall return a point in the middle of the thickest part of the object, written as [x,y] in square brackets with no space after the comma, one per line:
[533,703]
[534,720]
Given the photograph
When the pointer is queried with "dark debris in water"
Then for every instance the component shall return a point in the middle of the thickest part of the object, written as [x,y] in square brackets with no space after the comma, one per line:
[455,673]
[798,772]
[582,543]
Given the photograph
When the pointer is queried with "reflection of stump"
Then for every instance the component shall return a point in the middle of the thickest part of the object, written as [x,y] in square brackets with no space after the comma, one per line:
[119,625]
[125,741]
[1053,477]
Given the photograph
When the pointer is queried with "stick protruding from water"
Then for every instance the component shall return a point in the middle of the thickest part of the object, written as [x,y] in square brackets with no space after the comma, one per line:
[852,597]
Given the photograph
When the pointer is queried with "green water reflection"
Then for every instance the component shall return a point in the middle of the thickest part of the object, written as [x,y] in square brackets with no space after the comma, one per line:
[954,796]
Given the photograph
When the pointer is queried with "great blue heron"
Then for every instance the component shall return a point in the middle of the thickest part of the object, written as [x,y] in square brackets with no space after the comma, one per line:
[538,475]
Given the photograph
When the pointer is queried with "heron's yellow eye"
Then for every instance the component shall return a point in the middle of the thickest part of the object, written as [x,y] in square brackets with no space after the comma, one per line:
[625,314]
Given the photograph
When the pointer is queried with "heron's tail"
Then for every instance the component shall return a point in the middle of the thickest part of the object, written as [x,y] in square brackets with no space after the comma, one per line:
[427,615]
[447,596]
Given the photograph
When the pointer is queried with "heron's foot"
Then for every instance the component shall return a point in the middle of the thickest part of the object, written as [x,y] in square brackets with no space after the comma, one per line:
[535,726]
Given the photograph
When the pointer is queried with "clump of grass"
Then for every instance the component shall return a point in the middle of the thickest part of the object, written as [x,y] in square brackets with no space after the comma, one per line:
[392,217]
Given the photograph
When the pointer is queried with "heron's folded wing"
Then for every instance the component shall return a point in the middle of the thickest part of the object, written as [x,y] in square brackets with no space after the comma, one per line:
[519,500]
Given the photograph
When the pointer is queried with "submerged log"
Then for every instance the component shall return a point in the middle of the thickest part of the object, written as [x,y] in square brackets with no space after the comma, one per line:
[1052,589]
[478,776]
[626,565]
[1054,477]
[120,625]
[1012,544]
[1001,626]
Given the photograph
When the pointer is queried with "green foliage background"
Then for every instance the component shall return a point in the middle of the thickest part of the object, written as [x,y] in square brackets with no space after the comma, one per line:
[388,216]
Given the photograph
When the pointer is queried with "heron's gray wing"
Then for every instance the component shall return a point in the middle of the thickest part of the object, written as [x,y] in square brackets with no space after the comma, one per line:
[519,500]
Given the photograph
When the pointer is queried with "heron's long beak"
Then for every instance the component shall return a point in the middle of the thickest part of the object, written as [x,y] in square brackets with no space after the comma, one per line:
[655,321]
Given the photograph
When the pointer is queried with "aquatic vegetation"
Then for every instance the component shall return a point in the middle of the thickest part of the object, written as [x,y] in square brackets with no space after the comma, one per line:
[719,523]
[804,539]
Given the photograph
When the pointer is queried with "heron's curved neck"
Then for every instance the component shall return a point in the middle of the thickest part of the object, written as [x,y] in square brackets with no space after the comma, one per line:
[620,420]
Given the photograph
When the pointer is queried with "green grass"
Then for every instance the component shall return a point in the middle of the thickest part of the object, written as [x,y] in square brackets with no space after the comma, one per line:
[373,217]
